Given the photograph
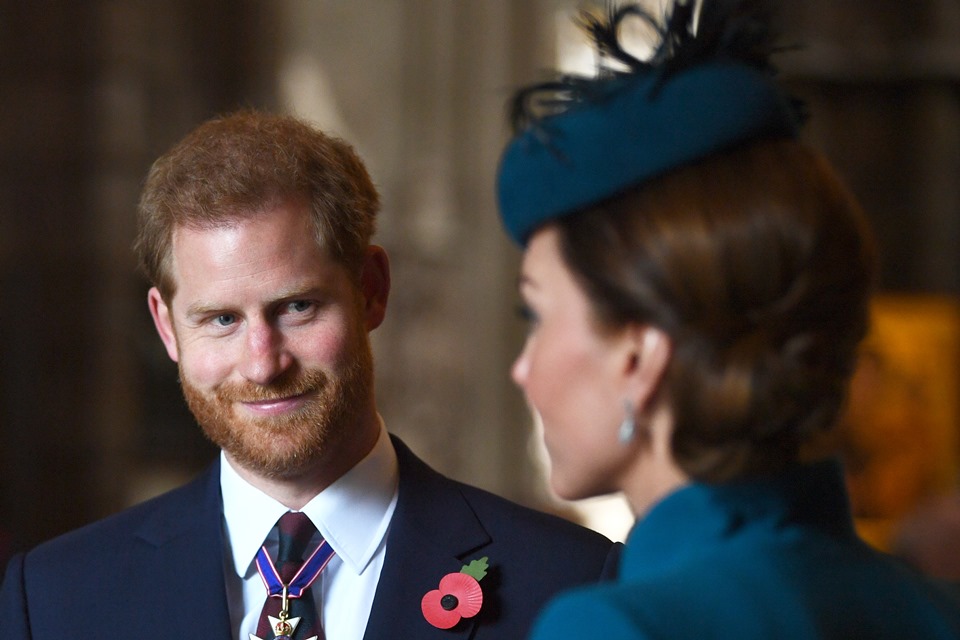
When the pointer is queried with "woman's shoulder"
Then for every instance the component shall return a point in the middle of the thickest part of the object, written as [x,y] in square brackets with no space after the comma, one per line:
[607,612]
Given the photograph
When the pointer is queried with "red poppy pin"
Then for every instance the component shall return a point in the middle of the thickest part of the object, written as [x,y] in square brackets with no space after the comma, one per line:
[459,596]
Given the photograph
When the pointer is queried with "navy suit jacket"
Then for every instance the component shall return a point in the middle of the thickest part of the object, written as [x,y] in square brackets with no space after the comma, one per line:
[155,571]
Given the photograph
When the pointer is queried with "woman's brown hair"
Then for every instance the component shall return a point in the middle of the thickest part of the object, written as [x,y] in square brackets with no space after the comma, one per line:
[759,264]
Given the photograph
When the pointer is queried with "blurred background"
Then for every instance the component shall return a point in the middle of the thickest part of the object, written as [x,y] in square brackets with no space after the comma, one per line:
[91,416]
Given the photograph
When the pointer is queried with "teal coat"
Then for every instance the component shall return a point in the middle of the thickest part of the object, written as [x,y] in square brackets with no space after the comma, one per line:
[772,559]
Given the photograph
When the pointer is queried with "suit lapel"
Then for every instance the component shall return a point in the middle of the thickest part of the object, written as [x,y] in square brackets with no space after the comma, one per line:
[433,532]
[182,558]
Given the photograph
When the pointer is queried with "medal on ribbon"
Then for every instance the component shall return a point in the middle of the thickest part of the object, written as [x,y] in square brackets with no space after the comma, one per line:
[284,626]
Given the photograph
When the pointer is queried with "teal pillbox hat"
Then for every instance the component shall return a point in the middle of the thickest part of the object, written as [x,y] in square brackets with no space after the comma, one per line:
[634,128]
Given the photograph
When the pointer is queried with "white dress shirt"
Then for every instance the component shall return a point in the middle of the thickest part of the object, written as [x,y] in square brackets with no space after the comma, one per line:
[353,514]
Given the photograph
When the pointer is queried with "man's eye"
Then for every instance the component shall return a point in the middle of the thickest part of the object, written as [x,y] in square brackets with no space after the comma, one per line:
[299,306]
[225,319]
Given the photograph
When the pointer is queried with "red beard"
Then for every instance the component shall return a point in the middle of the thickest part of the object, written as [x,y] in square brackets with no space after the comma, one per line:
[284,446]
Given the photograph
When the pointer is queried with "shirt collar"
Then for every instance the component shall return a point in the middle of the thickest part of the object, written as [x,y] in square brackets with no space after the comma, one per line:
[352,514]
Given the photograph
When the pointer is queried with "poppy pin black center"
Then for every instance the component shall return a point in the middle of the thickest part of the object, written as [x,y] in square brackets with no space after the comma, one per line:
[449,602]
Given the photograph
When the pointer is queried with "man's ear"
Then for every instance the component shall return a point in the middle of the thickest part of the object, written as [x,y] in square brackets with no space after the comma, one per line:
[651,350]
[163,322]
[375,286]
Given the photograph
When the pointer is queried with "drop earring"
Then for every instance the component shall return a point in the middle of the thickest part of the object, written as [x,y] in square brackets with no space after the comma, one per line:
[628,427]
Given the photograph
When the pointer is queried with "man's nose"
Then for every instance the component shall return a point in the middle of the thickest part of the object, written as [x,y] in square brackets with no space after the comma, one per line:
[264,357]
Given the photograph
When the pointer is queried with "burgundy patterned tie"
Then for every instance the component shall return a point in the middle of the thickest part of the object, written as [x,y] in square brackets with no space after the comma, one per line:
[296,531]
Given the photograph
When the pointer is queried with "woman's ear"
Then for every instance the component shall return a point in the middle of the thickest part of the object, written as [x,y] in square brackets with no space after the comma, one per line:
[651,350]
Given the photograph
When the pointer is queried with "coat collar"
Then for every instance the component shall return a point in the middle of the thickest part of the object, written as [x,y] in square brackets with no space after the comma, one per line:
[698,516]
[434,532]
[182,552]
